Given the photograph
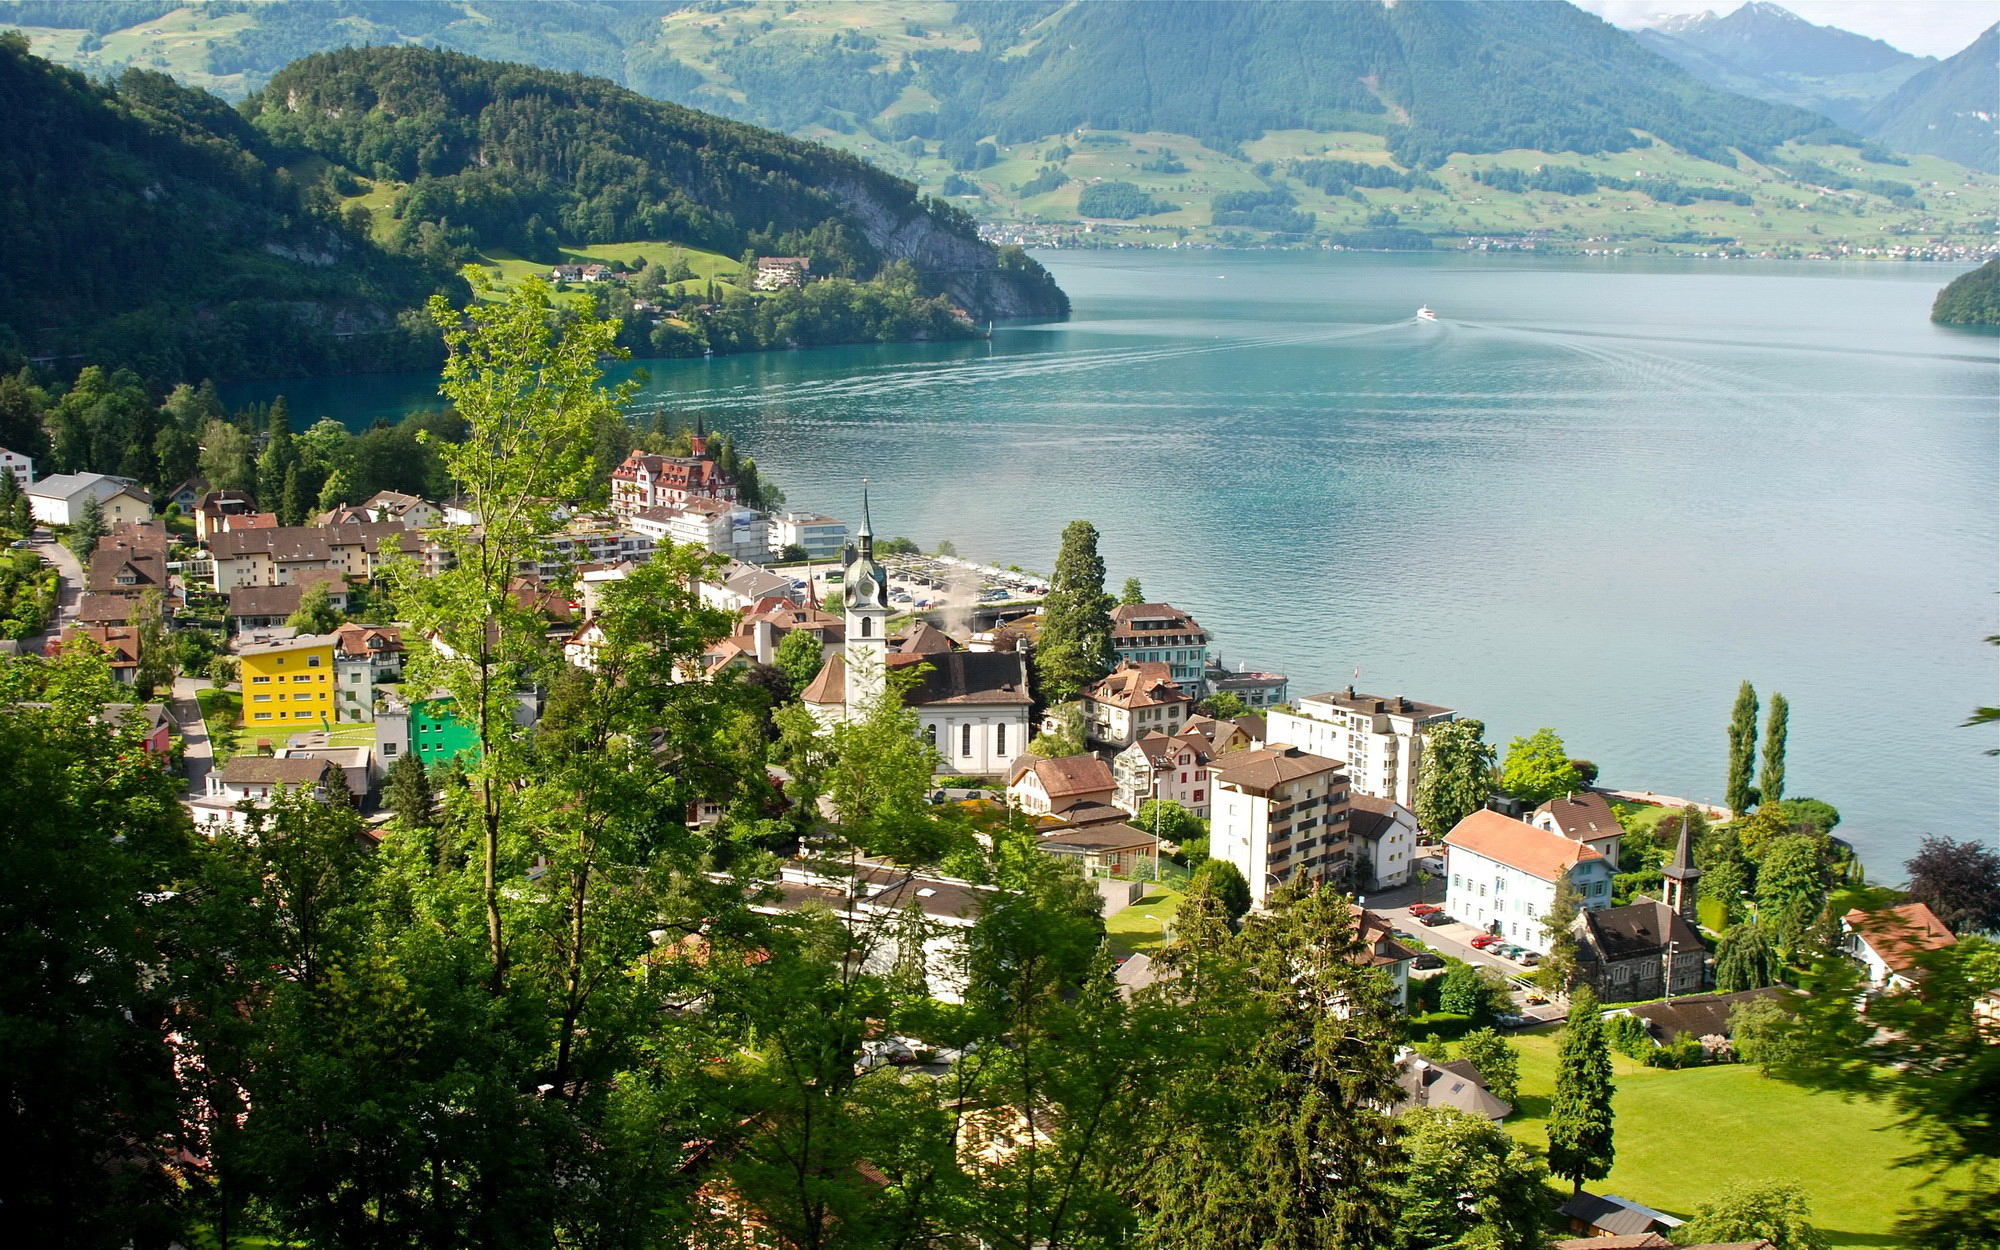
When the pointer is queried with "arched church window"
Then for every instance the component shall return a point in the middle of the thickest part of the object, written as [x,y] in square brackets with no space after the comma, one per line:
[867,626]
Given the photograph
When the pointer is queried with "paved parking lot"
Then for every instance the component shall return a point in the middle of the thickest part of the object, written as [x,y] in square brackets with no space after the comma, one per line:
[1455,940]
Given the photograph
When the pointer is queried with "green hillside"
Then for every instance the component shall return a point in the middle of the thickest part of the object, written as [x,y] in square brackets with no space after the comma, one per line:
[1971,299]
[1014,109]
[151,226]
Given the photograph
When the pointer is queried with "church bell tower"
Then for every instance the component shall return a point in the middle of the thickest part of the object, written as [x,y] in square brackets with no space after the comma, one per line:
[866,585]
[1679,877]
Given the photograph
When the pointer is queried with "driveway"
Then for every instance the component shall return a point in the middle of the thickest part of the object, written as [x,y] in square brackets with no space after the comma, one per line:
[1455,940]
[198,753]
[69,593]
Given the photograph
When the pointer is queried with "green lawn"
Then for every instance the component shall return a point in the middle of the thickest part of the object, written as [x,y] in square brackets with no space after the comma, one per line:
[1138,927]
[220,710]
[362,735]
[1684,1137]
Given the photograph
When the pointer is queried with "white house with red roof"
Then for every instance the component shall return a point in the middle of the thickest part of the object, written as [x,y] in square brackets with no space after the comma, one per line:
[1890,943]
[1503,874]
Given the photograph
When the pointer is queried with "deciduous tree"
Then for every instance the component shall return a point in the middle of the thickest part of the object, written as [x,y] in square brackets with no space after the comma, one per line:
[1537,768]
[1463,1181]
[1960,881]
[799,657]
[155,670]
[1745,960]
[316,613]
[1454,776]
[1131,593]
[1792,883]
[1777,1213]
[1558,966]
[1498,1061]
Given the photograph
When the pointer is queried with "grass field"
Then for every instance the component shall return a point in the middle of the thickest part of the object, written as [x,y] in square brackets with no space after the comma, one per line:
[1140,927]
[220,711]
[1685,1137]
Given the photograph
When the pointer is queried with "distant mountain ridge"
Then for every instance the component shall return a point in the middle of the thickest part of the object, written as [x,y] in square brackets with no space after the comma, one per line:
[1951,109]
[1766,51]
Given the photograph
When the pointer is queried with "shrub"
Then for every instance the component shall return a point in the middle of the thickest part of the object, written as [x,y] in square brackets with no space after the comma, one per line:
[1627,1035]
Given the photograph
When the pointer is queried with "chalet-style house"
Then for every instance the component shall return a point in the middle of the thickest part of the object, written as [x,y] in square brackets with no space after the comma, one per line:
[1887,943]
[1133,700]
[1052,787]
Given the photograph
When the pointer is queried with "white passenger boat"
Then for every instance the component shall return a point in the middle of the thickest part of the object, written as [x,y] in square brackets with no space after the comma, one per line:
[1425,314]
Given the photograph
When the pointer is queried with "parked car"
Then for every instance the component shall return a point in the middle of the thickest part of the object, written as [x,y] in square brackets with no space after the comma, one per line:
[1530,958]
[1426,962]
[1424,909]
[1437,918]
[1432,864]
[1510,1021]
[1538,1000]
[1484,940]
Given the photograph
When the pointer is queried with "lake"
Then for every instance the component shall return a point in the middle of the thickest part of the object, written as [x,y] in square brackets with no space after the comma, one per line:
[1594,495]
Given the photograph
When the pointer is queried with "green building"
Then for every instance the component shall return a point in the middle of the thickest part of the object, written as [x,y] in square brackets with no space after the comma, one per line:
[437,733]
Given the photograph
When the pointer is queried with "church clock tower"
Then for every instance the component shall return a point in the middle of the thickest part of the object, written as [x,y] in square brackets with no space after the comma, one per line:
[1678,879]
[866,584]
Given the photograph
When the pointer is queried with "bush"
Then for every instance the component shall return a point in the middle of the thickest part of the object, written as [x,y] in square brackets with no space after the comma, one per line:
[1443,1025]
[1627,1035]
[1685,1051]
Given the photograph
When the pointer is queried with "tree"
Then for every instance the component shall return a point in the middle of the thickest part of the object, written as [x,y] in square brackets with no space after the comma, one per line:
[1579,1127]
[1465,991]
[1498,1061]
[799,657]
[225,456]
[1777,1213]
[1224,880]
[1224,705]
[1960,881]
[1558,966]
[1067,736]
[1463,1181]
[1075,645]
[88,527]
[1453,775]
[1765,1032]
[278,458]
[1811,815]
[316,613]
[1742,749]
[1792,883]
[156,654]
[1537,768]
[1131,593]
[1170,820]
[1745,960]
[530,394]
[292,500]
[407,792]
[1771,782]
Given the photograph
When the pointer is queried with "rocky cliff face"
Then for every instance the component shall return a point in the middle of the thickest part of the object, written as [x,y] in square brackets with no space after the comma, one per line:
[967,269]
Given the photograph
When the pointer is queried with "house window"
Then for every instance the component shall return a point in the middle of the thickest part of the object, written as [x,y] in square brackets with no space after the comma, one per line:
[965,739]
[312,661]
[260,698]
[263,716]
[258,681]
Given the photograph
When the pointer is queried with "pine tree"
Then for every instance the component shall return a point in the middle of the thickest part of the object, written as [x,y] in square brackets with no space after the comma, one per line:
[87,528]
[1132,592]
[291,500]
[1454,777]
[407,792]
[279,455]
[1742,749]
[1579,1128]
[1771,783]
[1075,645]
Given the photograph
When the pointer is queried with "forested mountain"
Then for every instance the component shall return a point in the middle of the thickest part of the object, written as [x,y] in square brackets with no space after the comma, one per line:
[1766,51]
[152,226]
[524,158]
[1951,109]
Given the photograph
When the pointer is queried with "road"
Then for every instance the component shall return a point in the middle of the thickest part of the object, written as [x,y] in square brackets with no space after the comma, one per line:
[69,594]
[198,753]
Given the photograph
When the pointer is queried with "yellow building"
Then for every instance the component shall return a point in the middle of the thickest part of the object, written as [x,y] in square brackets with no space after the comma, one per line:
[288,685]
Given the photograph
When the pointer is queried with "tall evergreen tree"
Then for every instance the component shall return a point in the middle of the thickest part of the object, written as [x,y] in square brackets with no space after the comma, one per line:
[291,499]
[407,792]
[1771,782]
[1454,777]
[1558,966]
[278,457]
[156,656]
[1075,645]
[87,528]
[1742,749]
[1579,1128]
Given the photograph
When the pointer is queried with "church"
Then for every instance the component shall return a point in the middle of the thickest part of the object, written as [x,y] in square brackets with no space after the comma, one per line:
[1648,948]
[973,706]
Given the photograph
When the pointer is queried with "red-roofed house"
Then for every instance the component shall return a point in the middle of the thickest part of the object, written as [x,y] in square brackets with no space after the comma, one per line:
[1043,787]
[1504,872]
[1131,702]
[1887,943]
[646,480]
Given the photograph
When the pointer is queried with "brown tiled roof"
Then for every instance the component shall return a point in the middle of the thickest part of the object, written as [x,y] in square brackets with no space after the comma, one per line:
[1586,816]
[1103,838]
[1633,1241]
[829,685]
[1704,1015]
[120,642]
[352,640]
[1900,934]
[1070,775]
[266,770]
[1268,767]
[923,638]
[1370,817]
[1125,616]
[1137,685]
[281,600]
[101,609]
[1519,844]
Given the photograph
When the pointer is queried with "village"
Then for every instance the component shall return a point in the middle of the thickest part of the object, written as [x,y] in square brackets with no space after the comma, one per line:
[1168,765]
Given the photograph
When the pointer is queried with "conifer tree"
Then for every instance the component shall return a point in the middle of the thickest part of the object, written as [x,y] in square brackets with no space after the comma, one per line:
[407,792]
[1771,782]
[1579,1128]
[1744,960]
[156,657]
[1742,749]
[1558,966]
[87,528]
[1075,645]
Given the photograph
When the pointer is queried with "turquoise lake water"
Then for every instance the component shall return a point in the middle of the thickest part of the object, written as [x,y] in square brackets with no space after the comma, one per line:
[1594,495]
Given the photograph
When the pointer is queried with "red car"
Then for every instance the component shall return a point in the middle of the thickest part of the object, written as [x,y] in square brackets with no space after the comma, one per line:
[1425,909]
[1483,941]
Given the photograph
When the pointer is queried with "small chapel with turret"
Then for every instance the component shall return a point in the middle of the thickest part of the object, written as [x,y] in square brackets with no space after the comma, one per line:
[1649,948]
[973,706]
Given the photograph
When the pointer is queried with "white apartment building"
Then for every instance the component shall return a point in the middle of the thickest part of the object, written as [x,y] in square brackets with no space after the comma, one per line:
[1380,738]
[717,526]
[823,537]
[1279,814]
[1385,840]
[1503,872]
[22,467]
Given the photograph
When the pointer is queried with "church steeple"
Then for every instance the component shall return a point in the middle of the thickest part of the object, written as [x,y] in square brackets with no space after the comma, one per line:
[866,587]
[867,531]
[1678,878]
